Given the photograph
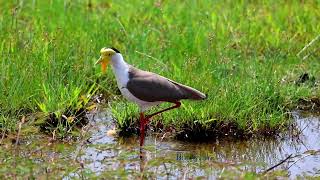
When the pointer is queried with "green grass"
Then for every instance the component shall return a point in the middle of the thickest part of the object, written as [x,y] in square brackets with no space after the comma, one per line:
[242,54]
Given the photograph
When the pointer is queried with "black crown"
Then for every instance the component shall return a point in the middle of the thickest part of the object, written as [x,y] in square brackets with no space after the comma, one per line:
[116,50]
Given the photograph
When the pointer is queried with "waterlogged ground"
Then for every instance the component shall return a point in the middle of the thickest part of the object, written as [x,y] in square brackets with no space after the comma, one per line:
[99,153]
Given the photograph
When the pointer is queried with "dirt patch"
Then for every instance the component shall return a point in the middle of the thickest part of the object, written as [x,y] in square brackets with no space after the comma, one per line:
[311,105]
[67,122]
[199,132]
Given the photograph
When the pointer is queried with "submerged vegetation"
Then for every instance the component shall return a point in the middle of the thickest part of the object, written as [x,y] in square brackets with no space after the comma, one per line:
[244,55]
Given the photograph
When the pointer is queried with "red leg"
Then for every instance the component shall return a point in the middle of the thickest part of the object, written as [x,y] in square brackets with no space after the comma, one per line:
[145,120]
[142,126]
[178,104]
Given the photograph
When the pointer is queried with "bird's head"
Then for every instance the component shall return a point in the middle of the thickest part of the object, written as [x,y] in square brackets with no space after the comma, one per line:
[106,57]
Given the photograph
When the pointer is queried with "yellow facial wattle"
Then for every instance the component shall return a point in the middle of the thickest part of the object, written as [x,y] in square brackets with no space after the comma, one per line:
[104,67]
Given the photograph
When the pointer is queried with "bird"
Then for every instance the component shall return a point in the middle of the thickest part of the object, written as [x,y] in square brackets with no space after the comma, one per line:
[144,88]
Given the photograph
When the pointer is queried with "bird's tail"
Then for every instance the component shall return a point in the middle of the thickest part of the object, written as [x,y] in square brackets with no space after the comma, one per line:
[194,94]
[191,93]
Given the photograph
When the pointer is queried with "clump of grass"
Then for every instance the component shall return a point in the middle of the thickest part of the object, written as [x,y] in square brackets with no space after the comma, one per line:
[242,54]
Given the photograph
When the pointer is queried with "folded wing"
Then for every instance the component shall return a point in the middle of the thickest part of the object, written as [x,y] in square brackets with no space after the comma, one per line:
[151,87]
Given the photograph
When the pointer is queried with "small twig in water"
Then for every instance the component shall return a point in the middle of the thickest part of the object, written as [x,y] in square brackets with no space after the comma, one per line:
[165,168]
[311,154]
[19,129]
[221,172]
[163,136]
[16,145]
[281,162]
[301,131]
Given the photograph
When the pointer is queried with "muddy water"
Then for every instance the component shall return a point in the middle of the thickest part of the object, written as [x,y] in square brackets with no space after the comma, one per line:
[162,158]
[100,154]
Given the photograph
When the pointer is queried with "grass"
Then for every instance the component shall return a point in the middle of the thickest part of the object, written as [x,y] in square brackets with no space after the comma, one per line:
[242,54]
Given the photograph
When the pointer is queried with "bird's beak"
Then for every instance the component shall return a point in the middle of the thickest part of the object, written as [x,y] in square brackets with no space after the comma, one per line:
[99,61]
[103,63]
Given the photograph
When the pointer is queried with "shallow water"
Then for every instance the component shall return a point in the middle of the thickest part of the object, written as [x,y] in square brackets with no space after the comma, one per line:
[99,154]
[183,159]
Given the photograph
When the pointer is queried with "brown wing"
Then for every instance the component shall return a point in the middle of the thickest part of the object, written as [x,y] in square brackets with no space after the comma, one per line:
[151,87]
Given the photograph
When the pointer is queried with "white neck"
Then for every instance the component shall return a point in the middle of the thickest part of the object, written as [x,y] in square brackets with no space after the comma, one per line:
[118,62]
[120,69]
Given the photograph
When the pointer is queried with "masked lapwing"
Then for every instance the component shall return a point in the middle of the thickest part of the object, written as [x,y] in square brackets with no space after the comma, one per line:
[144,88]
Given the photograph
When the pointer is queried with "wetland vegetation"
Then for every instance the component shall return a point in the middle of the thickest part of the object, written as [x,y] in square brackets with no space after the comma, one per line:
[256,61]
[246,56]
